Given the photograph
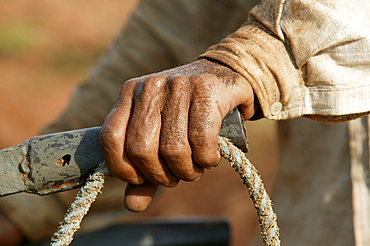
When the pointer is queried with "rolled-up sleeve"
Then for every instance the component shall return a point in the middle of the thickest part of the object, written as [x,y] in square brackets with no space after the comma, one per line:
[303,57]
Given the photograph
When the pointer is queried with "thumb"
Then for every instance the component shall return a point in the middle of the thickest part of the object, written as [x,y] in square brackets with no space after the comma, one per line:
[242,96]
[138,197]
[248,110]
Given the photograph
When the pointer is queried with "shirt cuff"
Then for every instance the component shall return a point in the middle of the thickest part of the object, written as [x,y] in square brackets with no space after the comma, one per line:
[264,61]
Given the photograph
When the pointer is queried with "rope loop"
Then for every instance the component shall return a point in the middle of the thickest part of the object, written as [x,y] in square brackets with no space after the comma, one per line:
[248,173]
[80,206]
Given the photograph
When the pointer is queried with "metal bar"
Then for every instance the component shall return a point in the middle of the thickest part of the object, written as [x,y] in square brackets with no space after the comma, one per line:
[63,161]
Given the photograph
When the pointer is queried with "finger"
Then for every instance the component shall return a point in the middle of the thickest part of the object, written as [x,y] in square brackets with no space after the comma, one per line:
[138,197]
[143,132]
[204,124]
[174,144]
[112,138]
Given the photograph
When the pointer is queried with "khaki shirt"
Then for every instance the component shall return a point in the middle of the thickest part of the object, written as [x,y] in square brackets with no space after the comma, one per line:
[303,58]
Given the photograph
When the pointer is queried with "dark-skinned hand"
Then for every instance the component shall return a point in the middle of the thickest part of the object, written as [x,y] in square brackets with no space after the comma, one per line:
[164,126]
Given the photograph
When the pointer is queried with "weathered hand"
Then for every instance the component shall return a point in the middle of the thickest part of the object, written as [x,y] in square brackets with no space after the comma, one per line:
[164,126]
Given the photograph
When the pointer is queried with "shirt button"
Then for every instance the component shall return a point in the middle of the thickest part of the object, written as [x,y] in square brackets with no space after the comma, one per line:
[276,108]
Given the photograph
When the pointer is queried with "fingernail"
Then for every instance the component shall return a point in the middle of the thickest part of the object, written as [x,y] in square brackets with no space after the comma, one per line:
[197,179]
[137,181]
[211,167]
[173,184]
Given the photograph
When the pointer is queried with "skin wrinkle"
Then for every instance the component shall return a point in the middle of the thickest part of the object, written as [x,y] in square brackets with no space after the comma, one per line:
[176,145]
[147,88]
[203,132]
[224,75]
[171,133]
[113,139]
[176,103]
[204,97]
[145,151]
[173,149]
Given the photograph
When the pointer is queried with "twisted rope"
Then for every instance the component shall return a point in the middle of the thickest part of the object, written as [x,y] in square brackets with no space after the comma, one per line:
[81,205]
[248,173]
[257,191]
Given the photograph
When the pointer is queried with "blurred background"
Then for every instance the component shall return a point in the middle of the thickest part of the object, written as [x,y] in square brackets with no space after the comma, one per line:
[47,48]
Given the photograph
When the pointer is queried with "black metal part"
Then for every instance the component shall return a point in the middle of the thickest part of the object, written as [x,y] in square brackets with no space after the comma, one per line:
[190,231]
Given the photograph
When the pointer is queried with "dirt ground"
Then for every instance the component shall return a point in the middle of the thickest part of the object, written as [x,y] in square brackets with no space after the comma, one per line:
[47,47]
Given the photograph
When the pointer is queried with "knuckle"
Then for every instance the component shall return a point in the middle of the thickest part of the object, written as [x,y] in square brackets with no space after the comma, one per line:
[123,172]
[150,89]
[174,151]
[199,137]
[142,151]
[180,162]
[178,83]
[152,83]
[127,90]
[129,85]
[205,151]
[180,89]
[109,137]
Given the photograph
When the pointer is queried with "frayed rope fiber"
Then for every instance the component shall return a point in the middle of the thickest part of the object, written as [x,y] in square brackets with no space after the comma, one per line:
[257,191]
[248,173]
[80,206]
